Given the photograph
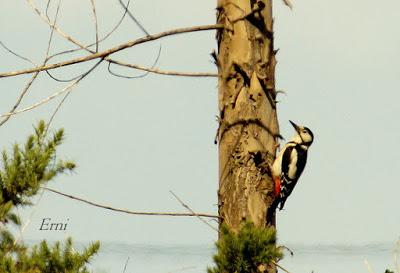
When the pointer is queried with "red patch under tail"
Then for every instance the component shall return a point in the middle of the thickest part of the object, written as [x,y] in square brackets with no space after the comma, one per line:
[277,186]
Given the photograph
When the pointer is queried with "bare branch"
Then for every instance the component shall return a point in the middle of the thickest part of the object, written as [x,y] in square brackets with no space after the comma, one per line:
[46,59]
[53,27]
[154,70]
[189,209]
[33,78]
[110,51]
[100,40]
[49,98]
[57,29]
[71,39]
[164,72]
[129,211]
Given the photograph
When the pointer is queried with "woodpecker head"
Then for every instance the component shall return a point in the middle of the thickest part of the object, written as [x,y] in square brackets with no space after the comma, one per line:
[303,135]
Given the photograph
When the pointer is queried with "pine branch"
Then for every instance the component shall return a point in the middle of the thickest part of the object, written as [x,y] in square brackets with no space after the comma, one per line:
[27,168]
[245,251]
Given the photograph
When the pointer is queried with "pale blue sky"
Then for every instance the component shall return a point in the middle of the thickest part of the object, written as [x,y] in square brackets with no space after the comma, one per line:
[134,140]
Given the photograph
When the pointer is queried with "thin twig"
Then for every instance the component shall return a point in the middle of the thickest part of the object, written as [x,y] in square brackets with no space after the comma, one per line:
[100,40]
[47,9]
[369,268]
[194,213]
[395,258]
[95,23]
[126,264]
[52,30]
[53,26]
[288,3]
[46,58]
[16,54]
[56,110]
[22,230]
[63,80]
[129,211]
[135,77]
[281,267]
[57,29]
[24,91]
[134,18]
[288,249]
[110,51]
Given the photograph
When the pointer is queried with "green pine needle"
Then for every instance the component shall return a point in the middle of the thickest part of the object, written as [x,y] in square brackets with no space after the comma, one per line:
[245,251]
[22,173]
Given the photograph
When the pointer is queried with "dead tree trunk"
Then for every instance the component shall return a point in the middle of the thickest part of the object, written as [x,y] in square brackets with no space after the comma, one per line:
[248,122]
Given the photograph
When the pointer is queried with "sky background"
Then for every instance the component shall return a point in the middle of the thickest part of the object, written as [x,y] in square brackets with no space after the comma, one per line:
[135,140]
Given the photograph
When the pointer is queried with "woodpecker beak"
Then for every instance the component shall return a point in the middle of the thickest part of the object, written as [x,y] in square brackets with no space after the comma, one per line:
[297,128]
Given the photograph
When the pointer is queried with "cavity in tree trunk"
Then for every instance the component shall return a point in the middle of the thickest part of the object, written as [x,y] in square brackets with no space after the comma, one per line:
[248,122]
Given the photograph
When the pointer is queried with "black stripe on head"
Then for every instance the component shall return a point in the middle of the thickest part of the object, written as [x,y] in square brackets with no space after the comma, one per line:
[308,143]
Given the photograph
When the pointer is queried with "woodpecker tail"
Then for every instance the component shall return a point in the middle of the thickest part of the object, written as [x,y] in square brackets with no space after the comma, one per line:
[271,211]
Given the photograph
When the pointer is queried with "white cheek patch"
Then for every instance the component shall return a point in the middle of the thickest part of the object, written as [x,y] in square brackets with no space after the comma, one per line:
[293,164]
[306,137]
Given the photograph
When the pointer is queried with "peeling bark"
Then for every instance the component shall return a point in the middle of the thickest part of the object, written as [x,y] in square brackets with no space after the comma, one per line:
[248,129]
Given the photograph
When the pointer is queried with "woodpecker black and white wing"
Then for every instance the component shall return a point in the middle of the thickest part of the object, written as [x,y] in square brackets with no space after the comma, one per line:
[293,162]
[288,167]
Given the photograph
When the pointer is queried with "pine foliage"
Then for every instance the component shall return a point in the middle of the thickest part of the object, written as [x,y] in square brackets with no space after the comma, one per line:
[22,173]
[245,251]
[27,169]
[45,259]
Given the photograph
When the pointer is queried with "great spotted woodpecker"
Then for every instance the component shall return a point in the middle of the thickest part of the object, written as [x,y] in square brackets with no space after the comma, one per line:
[288,166]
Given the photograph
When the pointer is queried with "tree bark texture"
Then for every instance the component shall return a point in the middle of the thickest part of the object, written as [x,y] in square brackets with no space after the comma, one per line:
[248,128]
